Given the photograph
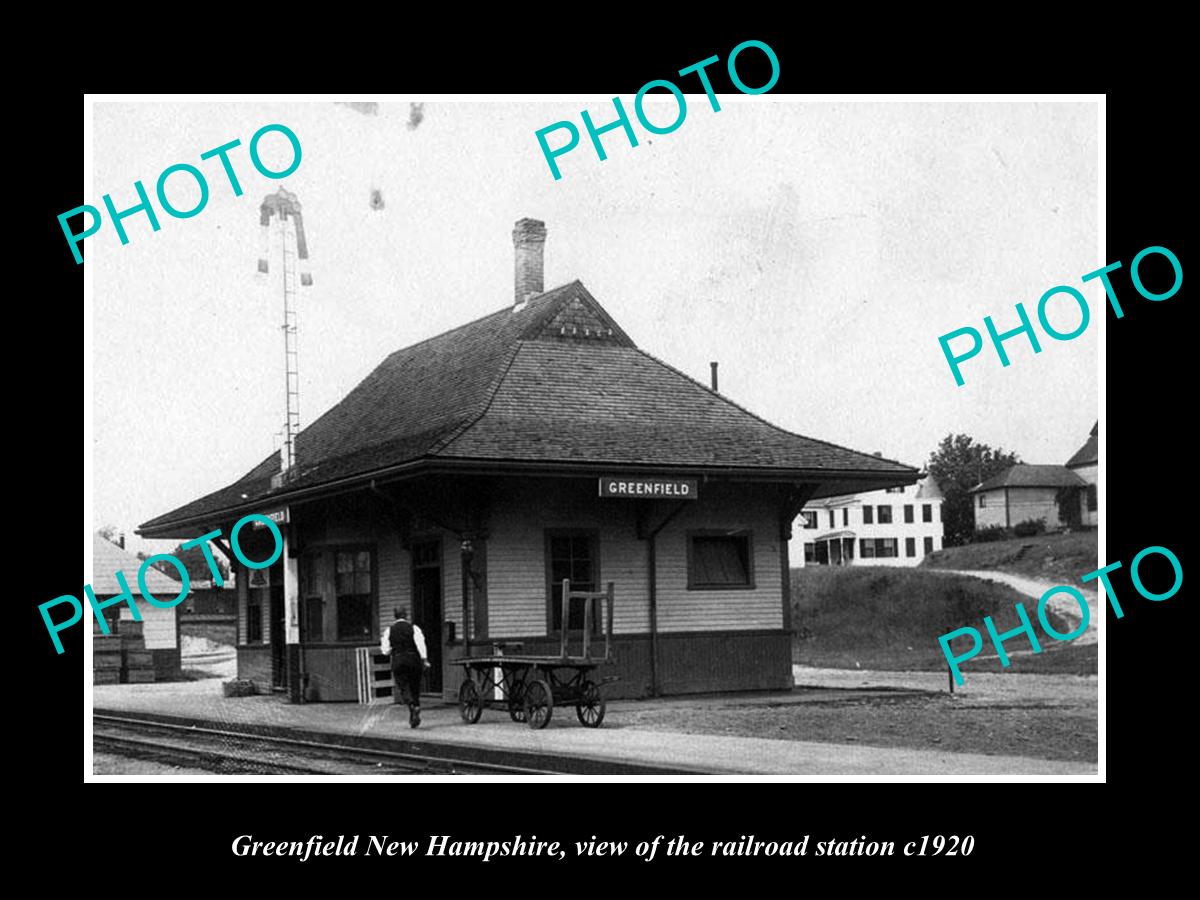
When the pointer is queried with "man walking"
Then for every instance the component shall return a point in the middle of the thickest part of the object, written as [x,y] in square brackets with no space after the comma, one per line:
[406,644]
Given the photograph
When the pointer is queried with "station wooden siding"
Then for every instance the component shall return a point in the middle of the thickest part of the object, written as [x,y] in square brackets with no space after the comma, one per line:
[719,635]
[517,574]
[745,609]
[517,580]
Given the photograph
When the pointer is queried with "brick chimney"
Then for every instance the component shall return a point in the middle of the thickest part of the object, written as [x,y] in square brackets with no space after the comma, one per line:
[529,240]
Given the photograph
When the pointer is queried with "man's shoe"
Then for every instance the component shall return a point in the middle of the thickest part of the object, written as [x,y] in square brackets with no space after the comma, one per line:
[414,718]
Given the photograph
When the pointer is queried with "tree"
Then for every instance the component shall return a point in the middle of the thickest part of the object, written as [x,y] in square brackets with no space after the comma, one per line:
[193,560]
[957,465]
[109,533]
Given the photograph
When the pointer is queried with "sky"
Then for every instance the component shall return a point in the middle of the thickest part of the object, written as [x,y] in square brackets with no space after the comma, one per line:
[816,250]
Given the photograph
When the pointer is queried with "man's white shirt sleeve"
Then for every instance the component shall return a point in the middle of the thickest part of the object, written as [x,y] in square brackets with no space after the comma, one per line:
[419,640]
[386,644]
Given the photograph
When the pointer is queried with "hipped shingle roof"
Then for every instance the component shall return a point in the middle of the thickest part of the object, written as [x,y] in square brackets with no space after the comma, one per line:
[1025,475]
[556,381]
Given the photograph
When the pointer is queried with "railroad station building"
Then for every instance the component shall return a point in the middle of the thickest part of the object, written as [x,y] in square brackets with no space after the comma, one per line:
[470,473]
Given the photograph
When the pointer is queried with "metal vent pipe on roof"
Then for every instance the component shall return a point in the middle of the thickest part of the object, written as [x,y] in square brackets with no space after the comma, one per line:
[714,376]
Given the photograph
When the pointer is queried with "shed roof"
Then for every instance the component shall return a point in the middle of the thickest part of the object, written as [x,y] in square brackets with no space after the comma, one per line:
[1025,475]
[555,381]
[108,559]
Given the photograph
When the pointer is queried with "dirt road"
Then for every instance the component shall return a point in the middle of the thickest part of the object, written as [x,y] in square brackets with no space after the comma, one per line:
[1062,604]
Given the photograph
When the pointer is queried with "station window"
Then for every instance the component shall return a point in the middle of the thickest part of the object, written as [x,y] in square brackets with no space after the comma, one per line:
[982,501]
[831,523]
[908,513]
[312,581]
[253,616]
[1091,498]
[866,548]
[928,545]
[719,560]
[573,555]
[868,517]
[885,515]
[355,609]
[845,516]
[926,512]
[810,552]
[910,546]
[810,519]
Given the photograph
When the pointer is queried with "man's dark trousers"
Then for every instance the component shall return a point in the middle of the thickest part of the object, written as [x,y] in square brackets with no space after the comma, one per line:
[408,682]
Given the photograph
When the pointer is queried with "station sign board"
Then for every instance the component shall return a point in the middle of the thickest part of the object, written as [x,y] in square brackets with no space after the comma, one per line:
[649,488]
[278,516]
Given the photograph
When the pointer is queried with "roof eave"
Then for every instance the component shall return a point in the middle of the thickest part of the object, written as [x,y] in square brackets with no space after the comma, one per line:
[184,527]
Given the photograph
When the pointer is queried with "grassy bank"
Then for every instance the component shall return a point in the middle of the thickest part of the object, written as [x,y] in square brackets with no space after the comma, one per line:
[890,618]
[1057,558]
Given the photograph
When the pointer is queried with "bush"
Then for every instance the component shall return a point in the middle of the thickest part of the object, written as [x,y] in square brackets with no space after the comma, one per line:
[991,533]
[1029,527]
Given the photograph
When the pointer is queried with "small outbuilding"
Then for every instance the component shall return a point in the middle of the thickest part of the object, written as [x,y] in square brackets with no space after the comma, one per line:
[1024,492]
[1064,496]
[143,651]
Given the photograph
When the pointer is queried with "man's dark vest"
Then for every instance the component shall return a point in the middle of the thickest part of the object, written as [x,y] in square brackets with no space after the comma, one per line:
[404,648]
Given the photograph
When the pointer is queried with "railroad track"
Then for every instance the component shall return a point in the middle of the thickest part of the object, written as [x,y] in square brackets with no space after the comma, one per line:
[225,763]
[238,752]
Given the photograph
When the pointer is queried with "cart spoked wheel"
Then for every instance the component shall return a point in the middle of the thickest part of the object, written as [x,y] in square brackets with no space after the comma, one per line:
[590,706]
[539,703]
[469,704]
[516,702]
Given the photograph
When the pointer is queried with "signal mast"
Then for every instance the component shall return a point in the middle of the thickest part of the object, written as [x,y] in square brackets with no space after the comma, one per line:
[283,228]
